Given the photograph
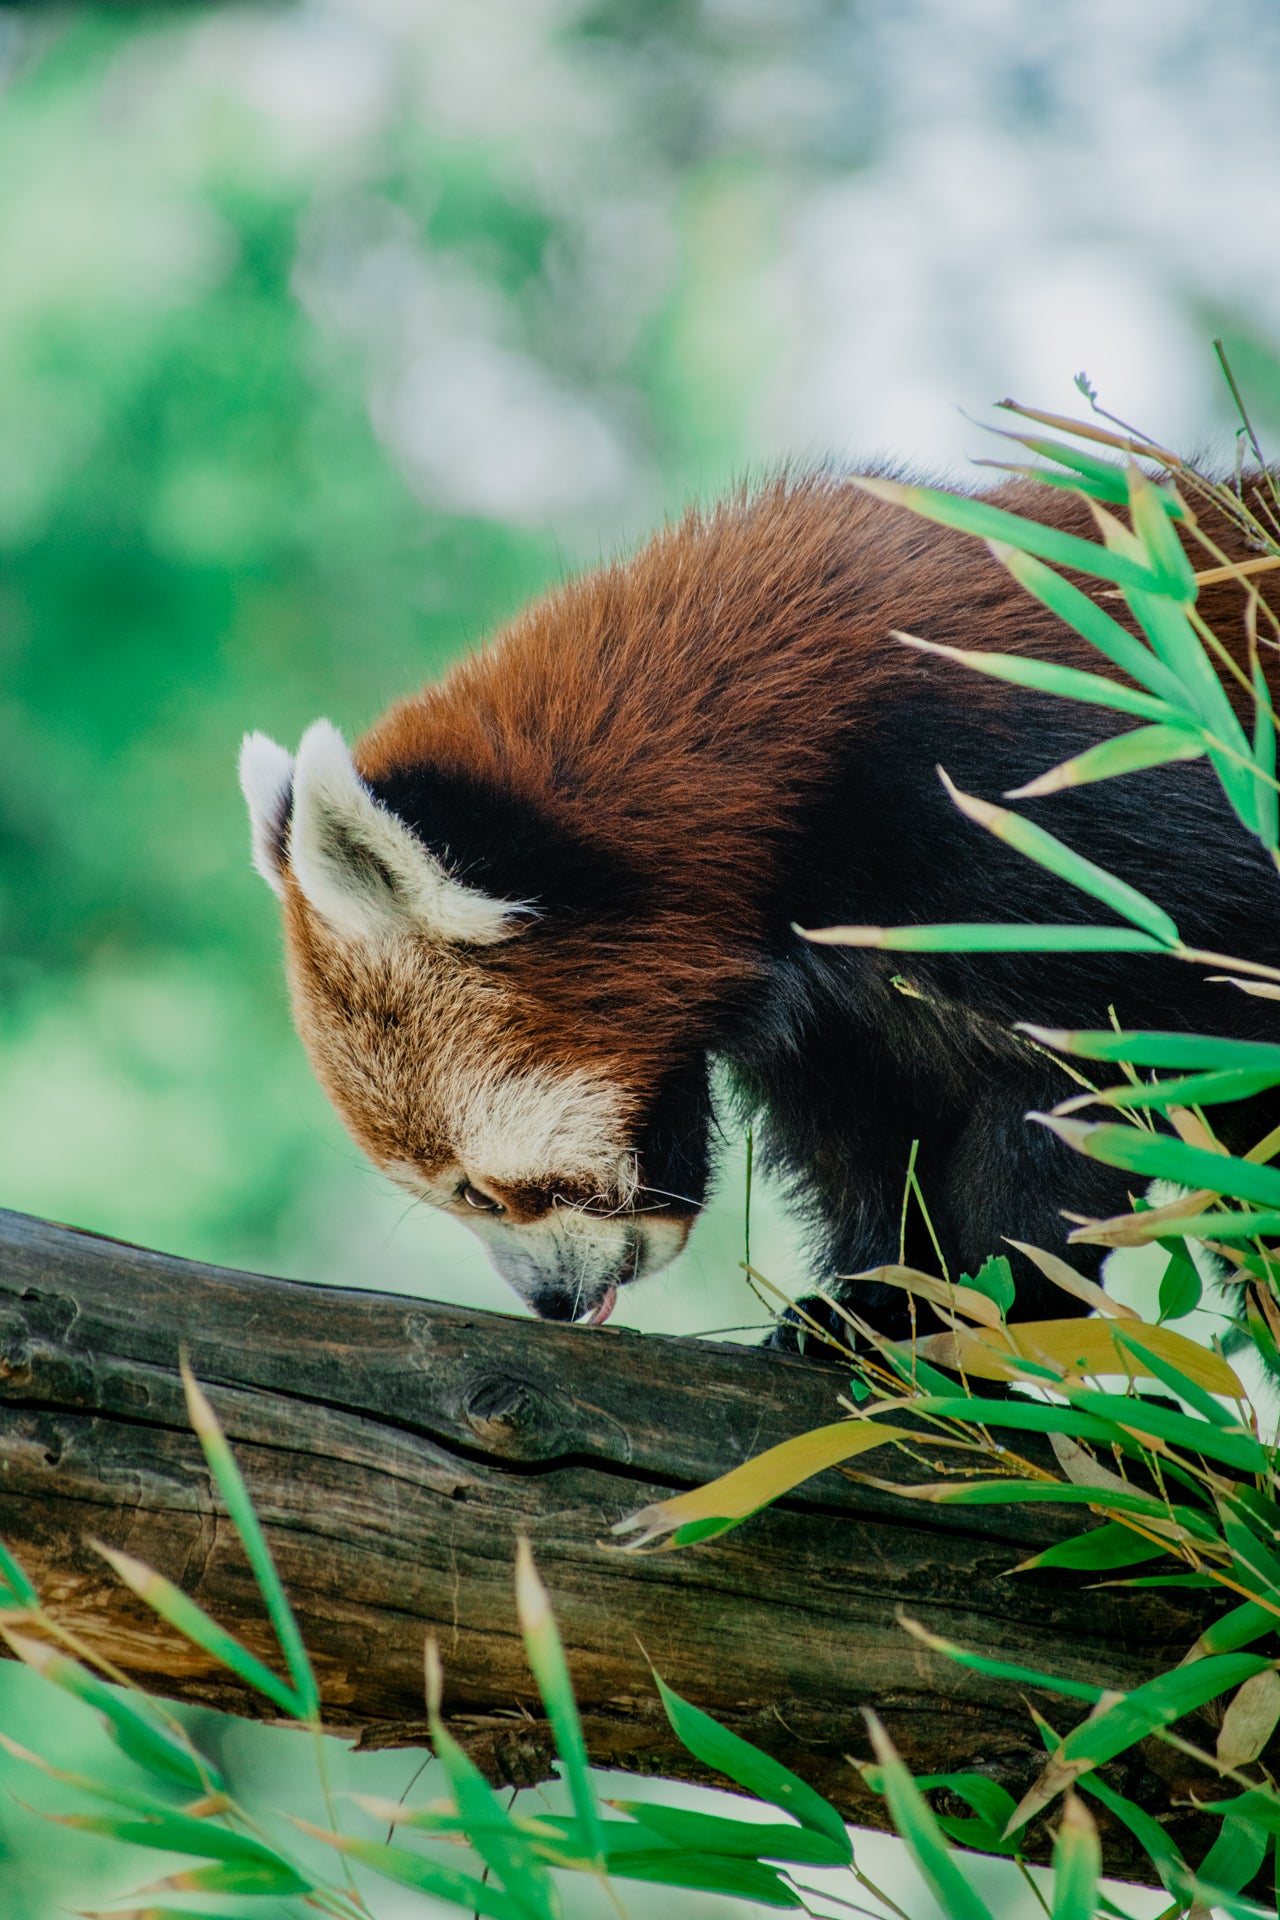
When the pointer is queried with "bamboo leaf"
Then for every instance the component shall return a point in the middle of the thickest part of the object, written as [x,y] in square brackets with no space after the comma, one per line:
[493,1834]
[1234,1448]
[137,1729]
[1066,683]
[1155,1356]
[1235,1856]
[235,1495]
[1158,1157]
[986,522]
[1048,851]
[1165,553]
[425,1876]
[1002,1670]
[714,1873]
[916,1824]
[987,937]
[1239,1628]
[1080,1347]
[740,1492]
[1077,1863]
[758,1772]
[1266,798]
[1193,1089]
[551,1671]
[16,1591]
[1150,1835]
[1196,1051]
[1104,1547]
[1065,1276]
[178,1833]
[1113,1728]
[191,1620]
[756,1840]
[973,1302]
[1094,624]
[1126,753]
[1247,1726]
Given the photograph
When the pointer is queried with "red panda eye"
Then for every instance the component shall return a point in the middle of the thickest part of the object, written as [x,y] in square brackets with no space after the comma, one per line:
[482,1202]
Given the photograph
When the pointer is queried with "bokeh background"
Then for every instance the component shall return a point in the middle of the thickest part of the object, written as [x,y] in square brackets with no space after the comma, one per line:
[331,331]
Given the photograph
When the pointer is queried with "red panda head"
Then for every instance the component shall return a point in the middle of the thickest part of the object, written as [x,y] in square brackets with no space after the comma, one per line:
[462,1082]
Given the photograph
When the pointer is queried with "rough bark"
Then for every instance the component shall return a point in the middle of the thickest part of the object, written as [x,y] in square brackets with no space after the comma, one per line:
[394,1448]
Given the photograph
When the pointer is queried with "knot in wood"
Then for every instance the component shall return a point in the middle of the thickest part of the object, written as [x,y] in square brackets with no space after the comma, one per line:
[500,1407]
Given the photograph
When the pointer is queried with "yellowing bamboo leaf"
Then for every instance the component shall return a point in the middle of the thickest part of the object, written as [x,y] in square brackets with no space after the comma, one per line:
[1074,1349]
[738,1493]
[939,1293]
[1074,1283]
[1250,1720]
[1136,1229]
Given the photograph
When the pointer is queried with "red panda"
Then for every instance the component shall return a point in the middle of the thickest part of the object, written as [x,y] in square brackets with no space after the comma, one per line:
[539,900]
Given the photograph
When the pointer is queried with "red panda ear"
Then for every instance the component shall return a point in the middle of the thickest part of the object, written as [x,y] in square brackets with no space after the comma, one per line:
[362,869]
[266,780]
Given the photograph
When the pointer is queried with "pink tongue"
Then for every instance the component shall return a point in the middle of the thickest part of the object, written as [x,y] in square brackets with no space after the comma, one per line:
[606,1307]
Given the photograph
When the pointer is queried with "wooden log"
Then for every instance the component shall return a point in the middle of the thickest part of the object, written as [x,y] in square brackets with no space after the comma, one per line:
[395,1448]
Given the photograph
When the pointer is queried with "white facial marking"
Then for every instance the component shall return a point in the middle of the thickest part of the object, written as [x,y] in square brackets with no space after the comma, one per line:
[547,1128]
[361,868]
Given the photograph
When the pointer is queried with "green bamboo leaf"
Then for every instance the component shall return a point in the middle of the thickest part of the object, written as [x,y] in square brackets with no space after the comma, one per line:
[234,1876]
[178,1833]
[1239,1628]
[713,1873]
[1002,1669]
[1113,1729]
[1014,1493]
[1150,1835]
[1181,1288]
[1260,1808]
[1165,553]
[1048,851]
[1178,645]
[986,522]
[551,1671]
[1236,1855]
[137,1729]
[425,1876]
[190,1619]
[235,1495]
[1155,1363]
[1077,1863]
[1094,624]
[1107,479]
[984,937]
[1125,753]
[1195,1090]
[711,1833]
[992,1804]
[1235,1449]
[16,1591]
[1065,683]
[916,1824]
[494,1835]
[1219,1226]
[760,1774]
[1264,758]
[1161,1157]
[1189,1050]
[994,1278]
[1104,1547]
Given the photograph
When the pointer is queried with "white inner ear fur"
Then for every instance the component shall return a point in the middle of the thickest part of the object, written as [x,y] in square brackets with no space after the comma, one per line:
[266,780]
[361,868]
